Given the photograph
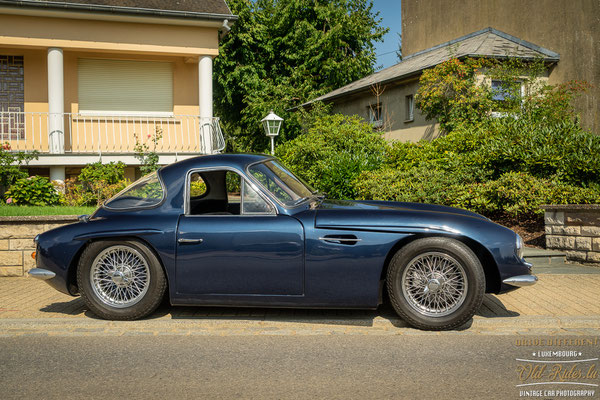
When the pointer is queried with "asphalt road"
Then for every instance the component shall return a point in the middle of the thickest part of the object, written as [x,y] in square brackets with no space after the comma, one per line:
[419,366]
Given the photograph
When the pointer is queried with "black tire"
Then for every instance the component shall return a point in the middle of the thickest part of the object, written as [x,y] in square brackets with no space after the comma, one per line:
[97,292]
[458,284]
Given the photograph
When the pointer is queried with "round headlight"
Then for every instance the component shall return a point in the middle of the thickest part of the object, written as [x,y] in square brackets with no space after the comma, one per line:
[519,246]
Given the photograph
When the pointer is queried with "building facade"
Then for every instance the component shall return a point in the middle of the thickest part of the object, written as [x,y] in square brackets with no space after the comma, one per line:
[85,81]
[570,28]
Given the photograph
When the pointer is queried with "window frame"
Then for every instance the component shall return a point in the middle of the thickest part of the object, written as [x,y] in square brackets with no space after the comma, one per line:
[187,198]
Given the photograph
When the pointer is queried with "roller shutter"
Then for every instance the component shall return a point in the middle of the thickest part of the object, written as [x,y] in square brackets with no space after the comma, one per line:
[122,87]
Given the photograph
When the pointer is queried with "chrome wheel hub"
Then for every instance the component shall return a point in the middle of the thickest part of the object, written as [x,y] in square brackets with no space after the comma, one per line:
[434,284]
[120,276]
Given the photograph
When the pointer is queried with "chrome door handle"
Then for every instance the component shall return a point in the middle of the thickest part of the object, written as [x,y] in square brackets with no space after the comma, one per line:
[189,241]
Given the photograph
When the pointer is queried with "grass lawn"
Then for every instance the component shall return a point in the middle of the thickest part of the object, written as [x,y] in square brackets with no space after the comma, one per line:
[6,211]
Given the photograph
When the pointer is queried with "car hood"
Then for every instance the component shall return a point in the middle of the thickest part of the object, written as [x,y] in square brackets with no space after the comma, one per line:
[379,214]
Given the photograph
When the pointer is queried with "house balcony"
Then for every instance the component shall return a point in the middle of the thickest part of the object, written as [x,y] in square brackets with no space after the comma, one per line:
[78,139]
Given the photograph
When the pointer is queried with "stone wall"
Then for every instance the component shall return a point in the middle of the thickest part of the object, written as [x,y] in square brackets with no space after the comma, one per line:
[574,229]
[16,240]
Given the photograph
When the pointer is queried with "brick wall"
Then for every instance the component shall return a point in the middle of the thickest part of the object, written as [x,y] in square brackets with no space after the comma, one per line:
[16,240]
[574,229]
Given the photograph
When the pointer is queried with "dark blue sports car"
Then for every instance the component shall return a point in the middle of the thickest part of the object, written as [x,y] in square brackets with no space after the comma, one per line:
[242,230]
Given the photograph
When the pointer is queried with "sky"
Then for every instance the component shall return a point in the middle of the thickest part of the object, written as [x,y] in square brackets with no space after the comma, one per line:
[389,10]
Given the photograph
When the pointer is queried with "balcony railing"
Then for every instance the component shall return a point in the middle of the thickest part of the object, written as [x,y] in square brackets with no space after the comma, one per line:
[79,133]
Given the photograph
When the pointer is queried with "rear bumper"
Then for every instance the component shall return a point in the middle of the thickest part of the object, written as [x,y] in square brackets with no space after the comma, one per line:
[521,280]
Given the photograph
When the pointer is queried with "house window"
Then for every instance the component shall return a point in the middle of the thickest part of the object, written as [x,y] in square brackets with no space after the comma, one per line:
[120,87]
[375,117]
[410,108]
[12,98]
[502,90]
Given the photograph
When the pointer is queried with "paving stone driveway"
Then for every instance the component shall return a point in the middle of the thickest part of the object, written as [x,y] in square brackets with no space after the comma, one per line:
[559,303]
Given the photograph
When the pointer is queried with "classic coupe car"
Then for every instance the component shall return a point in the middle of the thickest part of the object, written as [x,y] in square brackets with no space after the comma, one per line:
[242,230]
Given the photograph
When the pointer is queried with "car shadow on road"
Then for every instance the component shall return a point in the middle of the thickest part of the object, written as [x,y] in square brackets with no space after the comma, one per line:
[492,307]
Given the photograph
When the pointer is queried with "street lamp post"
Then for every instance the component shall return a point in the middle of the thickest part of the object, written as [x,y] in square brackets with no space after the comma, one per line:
[272,124]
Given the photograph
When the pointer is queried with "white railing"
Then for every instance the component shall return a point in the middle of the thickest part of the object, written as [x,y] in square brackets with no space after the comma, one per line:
[80,133]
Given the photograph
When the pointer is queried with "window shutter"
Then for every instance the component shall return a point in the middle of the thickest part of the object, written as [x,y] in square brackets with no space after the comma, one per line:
[125,87]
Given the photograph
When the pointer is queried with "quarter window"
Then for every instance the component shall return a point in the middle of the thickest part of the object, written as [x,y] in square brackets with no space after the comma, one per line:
[145,192]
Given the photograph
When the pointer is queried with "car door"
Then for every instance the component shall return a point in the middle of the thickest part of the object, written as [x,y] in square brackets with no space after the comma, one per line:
[232,243]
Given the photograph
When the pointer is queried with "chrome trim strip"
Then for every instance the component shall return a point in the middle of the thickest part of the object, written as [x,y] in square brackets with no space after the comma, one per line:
[521,280]
[42,274]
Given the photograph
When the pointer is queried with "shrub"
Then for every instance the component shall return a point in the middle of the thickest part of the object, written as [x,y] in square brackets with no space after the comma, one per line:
[75,195]
[110,173]
[98,182]
[333,152]
[515,194]
[10,164]
[147,153]
[32,191]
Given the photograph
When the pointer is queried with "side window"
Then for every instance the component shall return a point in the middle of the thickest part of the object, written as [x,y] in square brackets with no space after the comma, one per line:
[252,202]
[222,192]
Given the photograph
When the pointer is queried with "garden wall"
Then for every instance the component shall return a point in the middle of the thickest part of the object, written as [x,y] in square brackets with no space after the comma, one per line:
[16,240]
[574,229]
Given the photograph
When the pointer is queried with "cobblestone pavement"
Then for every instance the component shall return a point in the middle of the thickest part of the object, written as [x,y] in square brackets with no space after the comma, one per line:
[558,304]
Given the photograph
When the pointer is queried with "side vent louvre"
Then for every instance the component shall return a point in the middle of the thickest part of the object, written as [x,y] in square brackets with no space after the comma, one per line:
[348,240]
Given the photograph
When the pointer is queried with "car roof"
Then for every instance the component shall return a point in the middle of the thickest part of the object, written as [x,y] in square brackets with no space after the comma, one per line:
[237,160]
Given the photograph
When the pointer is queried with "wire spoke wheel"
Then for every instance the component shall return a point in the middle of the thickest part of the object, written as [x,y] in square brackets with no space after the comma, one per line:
[434,284]
[120,276]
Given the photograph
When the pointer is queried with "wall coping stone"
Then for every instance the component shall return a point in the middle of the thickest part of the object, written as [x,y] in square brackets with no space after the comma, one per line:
[39,218]
[570,207]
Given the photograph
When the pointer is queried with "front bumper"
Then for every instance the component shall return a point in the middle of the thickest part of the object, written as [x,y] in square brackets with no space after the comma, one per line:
[43,274]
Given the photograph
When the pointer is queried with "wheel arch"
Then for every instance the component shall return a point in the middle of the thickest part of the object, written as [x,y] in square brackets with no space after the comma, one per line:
[72,272]
[490,268]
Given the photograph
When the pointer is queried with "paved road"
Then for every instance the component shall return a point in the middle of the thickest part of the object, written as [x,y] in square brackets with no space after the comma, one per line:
[420,366]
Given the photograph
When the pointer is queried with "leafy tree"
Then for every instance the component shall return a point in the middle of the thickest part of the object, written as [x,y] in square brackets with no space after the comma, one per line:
[399,51]
[282,53]
[334,151]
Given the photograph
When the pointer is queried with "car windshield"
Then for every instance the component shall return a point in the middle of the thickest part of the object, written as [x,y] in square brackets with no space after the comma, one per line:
[145,192]
[281,183]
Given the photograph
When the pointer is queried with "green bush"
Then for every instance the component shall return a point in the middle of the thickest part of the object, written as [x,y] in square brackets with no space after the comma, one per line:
[516,194]
[110,173]
[96,183]
[32,191]
[334,151]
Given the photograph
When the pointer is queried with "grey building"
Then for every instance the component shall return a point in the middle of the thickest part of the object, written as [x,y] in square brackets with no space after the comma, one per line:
[387,98]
